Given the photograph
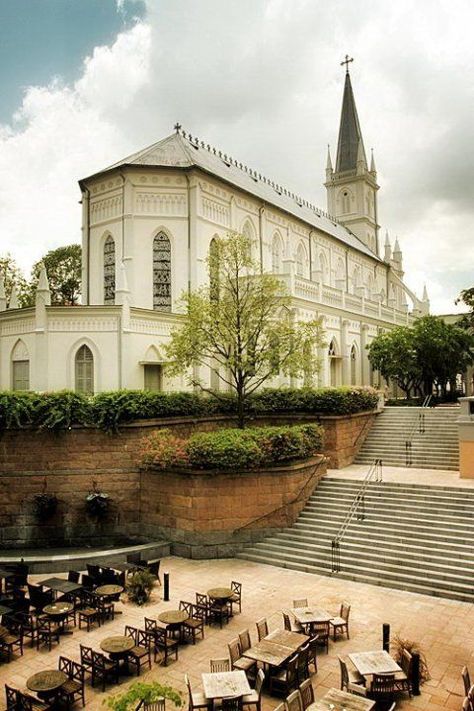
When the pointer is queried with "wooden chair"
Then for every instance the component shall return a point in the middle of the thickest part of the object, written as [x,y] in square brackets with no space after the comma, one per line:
[321,630]
[202,603]
[244,640]
[231,703]
[303,602]
[236,598]
[262,628]
[73,688]
[154,568]
[11,642]
[88,613]
[196,699]
[219,665]
[294,701]
[291,624]
[302,667]
[194,626]
[403,679]
[86,658]
[73,576]
[46,632]
[284,680]
[218,612]
[11,695]
[341,623]
[348,676]
[356,689]
[466,678]
[103,669]
[255,697]
[237,661]
[158,705]
[105,609]
[383,687]
[26,702]
[140,654]
[164,645]
[307,693]
[313,652]
[87,582]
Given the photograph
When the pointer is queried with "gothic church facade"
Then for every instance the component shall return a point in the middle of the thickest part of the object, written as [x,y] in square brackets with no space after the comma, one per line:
[148,223]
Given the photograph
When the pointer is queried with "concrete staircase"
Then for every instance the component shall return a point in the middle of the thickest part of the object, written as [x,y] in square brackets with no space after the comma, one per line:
[436,448]
[414,537]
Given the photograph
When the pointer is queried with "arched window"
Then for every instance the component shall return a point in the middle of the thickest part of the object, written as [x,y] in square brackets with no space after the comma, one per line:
[323,268]
[109,270]
[370,287]
[355,279]
[20,367]
[161,272]
[84,370]
[340,271]
[334,364]
[300,260]
[353,359]
[276,254]
[214,269]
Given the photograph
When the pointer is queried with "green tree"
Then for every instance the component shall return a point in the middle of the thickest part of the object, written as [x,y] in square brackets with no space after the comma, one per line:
[394,355]
[64,270]
[467,298]
[12,274]
[240,325]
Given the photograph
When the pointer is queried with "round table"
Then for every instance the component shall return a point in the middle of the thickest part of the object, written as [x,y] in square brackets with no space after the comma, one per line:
[174,620]
[109,590]
[117,647]
[58,609]
[221,594]
[46,683]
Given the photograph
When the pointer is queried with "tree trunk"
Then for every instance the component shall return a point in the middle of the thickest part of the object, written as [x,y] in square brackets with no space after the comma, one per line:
[240,408]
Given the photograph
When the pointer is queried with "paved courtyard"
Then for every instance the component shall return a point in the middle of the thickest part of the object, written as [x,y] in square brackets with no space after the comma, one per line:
[442,627]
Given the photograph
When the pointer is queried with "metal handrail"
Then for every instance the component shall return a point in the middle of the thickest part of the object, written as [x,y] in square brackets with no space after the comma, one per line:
[357,507]
[417,427]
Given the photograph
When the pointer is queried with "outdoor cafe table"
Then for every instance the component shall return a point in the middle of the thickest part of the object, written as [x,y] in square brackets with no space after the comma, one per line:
[219,685]
[173,619]
[117,648]
[338,700]
[220,594]
[377,662]
[58,611]
[307,615]
[60,585]
[46,683]
[276,647]
[108,590]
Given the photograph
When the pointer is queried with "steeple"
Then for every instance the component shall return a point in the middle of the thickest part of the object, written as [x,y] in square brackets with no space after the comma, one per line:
[3,298]
[387,249]
[329,165]
[351,186]
[350,146]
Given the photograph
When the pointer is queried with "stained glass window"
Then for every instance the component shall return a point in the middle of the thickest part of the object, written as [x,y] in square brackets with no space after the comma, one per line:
[84,370]
[109,271]
[161,273]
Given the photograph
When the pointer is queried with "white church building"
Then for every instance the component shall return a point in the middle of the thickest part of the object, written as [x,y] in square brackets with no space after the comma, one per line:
[147,225]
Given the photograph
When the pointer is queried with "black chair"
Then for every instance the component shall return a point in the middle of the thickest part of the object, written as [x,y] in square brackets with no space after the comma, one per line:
[11,695]
[86,658]
[11,642]
[193,626]
[25,702]
[89,612]
[236,598]
[163,645]
[46,632]
[73,576]
[154,568]
[103,669]
[73,688]
[140,654]
[87,582]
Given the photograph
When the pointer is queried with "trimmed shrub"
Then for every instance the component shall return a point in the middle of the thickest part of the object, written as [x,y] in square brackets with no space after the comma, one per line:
[233,449]
[109,410]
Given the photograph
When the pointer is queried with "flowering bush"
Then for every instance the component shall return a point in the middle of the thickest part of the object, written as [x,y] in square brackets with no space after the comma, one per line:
[233,449]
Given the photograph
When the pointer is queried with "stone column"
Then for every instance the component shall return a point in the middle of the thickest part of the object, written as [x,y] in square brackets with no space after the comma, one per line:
[364,360]
[346,372]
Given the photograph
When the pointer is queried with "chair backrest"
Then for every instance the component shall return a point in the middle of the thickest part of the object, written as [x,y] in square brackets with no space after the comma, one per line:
[11,697]
[262,628]
[294,702]
[259,682]
[345,611]
[307,693]
[25,702]
[65,665]
[87,581]
[86,655]
[150,624]
[321,628]
[291,669]
[236,587]
[198,613]
[186,607]
[232,703]
[303,656]
[286,621]
[131,632]
[143,639]
[154,567]
[383,684]
[160,635]
[202,599]
[73,576]
[344,672]
[219,665]
[244,639]
[466,677]
[98,660]
[303,602]
[158,705]
[406,663]
[234,650]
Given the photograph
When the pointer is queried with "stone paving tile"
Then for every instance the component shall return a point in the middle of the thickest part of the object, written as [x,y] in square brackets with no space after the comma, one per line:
[406,475]
[443,627]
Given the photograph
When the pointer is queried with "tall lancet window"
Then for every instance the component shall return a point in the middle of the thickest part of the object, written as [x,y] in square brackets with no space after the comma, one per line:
[276,254]
[84,367]
[109,270]
[161,272]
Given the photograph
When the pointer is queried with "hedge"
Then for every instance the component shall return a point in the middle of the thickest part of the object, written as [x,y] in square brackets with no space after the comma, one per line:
[108,410]
[232,449]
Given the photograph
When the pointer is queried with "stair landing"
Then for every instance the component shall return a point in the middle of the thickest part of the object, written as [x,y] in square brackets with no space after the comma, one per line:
[406,475]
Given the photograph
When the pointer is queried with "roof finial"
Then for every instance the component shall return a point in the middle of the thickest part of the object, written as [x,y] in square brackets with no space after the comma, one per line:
[177,127]
[347,61]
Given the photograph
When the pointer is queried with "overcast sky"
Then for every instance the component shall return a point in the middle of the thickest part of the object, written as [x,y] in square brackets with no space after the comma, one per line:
[85,82]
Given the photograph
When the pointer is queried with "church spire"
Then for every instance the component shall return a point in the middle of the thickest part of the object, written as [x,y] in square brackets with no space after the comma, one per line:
[329,165]
[350,146]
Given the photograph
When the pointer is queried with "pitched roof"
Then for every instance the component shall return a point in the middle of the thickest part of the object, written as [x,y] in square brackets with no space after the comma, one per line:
[350,136]
[180,150]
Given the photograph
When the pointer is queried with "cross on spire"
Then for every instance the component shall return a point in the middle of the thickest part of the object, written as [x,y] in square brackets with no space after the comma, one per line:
[347,61]
[177,127]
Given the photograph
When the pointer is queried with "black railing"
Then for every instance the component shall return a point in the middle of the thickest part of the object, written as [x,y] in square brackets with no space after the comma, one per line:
[418,427]
[357,509]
